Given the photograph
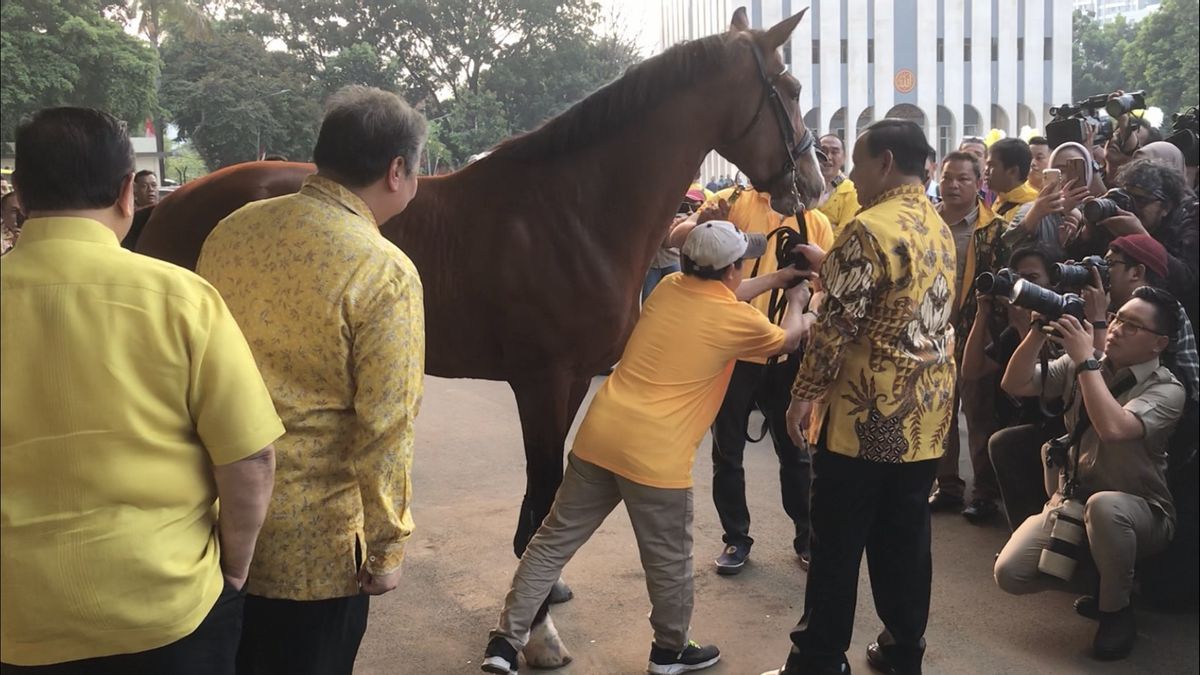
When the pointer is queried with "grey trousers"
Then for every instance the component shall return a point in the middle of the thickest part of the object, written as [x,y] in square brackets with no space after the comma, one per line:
[662,524]
[1121,528]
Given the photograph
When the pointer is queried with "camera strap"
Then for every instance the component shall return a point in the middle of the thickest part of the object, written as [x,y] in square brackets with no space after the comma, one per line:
[1082,423]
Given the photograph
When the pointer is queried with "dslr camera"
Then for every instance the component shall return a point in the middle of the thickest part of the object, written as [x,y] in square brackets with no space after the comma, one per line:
[1106,207]
[997,284]
[1076,276]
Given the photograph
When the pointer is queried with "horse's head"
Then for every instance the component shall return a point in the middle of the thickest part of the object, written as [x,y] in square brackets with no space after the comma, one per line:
[766,136]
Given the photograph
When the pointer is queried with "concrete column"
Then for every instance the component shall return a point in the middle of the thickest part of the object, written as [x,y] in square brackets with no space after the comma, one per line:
[856,64]
[981,63]
[885,58]
[831,61]
[927,79]
[1006,94]
[952,69]
[1035,30]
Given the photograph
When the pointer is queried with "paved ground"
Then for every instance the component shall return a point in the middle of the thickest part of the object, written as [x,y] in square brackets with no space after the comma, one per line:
[468,484]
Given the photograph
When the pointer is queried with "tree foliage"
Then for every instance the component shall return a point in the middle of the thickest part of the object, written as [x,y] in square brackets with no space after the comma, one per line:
[1163,57]
[64,52]
[1097,54]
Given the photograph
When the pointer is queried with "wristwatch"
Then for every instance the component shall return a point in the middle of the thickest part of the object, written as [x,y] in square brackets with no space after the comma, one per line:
[1088,364]
[1099,325]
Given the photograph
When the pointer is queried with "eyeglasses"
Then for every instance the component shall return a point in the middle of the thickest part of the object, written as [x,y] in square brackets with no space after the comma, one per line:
[1118,324]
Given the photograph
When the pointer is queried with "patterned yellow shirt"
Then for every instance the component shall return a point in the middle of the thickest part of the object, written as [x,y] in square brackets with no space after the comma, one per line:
[882,352]
[334,316]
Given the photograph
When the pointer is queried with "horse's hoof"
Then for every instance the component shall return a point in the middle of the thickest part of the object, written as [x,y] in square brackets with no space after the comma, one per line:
[545,649]
[560,593]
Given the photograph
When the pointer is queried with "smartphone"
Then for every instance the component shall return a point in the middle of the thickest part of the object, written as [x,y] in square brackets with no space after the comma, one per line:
[1051,178]
[1076,171]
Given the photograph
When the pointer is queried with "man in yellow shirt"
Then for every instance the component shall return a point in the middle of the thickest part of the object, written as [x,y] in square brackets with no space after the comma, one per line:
[638,441]
[1006,172]
[755,383]
[841,202]
[881,361]
[130,404]
[334,314]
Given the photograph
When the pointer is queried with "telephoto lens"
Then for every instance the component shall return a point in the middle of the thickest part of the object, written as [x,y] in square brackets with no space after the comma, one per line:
[1067,537]
[1126,103]
[999,283]
[1046,302]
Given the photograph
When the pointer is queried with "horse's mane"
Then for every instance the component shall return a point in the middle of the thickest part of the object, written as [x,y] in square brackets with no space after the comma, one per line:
[643,85]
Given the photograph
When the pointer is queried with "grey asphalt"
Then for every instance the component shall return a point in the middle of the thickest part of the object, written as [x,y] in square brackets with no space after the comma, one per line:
[468,481]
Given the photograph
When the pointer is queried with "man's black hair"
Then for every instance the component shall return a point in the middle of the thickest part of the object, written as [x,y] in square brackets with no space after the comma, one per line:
[1039,140]
[1013,152]
[905,140]
[962,156]
[142,174]
[691,269]
[71,159]
[1041,251]
[1166,309]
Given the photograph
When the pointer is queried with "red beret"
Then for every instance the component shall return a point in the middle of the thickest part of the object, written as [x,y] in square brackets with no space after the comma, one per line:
[1145,250]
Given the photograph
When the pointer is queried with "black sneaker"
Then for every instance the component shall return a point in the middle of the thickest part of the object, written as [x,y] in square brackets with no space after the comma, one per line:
[1115,635]
[941,501]
[980,511]
[732,559]
[693,657]
[1088,607]
[500,658]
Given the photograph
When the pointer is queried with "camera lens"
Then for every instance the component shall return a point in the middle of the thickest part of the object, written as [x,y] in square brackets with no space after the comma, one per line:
[1099,209]
[1000,283]
[1063,275]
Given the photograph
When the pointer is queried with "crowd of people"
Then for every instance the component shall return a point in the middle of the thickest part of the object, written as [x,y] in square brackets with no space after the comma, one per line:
[1044,294]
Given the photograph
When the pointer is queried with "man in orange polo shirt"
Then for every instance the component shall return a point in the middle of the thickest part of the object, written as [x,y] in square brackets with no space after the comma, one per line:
[638,441]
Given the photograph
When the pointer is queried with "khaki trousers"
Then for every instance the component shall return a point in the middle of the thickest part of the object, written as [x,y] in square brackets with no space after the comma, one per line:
[662,524]
[1121,528]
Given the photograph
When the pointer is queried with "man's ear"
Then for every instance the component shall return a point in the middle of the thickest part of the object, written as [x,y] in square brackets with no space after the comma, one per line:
[397,173]
[125,203]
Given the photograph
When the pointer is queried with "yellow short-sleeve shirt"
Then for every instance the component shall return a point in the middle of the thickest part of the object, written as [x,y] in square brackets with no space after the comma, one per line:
[646,421]
[124,379]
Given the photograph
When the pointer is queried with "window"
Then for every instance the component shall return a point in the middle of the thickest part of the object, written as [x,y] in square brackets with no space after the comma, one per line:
[787,53]
[970,130]
[995,49]
[845,49]
[941,50]
[871,50]
[943,141]
[816,51]
[1047,48]
[967,50]
[1020,49]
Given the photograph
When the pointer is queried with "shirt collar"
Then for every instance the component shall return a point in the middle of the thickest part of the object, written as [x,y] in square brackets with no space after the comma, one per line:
[1020,194]
[845,186]
[1140,371]
[971,219]
[331,191]
[907,190]
[67,228]
[707,286]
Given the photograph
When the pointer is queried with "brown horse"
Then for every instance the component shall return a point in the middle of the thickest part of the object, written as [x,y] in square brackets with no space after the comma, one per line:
[532,258]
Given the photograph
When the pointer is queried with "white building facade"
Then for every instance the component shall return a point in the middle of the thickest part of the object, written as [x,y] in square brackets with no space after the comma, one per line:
[956,67]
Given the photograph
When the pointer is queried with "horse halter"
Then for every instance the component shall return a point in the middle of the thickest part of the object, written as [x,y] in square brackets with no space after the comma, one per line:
[796,149]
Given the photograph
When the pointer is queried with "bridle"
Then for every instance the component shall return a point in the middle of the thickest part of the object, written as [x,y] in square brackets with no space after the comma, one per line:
[797,148]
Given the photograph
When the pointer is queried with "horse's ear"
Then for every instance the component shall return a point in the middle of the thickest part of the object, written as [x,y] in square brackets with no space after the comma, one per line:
[781,31]
[739,22]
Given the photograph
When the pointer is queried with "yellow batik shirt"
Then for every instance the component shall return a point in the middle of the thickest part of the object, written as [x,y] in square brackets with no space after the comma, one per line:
[881,356]
[334,316]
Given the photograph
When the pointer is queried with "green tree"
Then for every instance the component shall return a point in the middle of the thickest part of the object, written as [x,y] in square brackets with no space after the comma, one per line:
[1164,57]
[233,99]
[64,52]
[1097,55]
[473,123]
[358,64]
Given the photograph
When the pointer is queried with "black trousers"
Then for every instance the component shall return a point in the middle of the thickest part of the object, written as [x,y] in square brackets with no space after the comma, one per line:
[770,389]
[1016,455]
[302,637]
[208,650]
[884,509]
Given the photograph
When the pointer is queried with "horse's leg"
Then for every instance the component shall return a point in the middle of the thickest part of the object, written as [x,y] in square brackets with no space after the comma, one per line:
[547,406]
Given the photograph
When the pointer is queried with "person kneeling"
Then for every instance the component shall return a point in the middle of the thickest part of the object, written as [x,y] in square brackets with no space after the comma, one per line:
[1107,477]
[638,440]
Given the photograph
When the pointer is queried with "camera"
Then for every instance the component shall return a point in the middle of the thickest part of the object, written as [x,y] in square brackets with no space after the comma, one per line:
[1072,121]
[1067,538]
[1045,301]
[999,284]
[1075,276]
[1186,126]
[1103,208]
[1126,103]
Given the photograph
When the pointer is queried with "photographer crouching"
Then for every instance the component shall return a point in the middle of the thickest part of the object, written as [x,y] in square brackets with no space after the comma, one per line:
[1107,477]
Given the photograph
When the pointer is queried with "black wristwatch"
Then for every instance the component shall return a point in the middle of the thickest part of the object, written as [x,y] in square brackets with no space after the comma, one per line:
[1088,364]
[1101,324]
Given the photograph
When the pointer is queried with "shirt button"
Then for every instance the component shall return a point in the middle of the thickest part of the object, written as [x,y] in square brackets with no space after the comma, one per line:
[371,558]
